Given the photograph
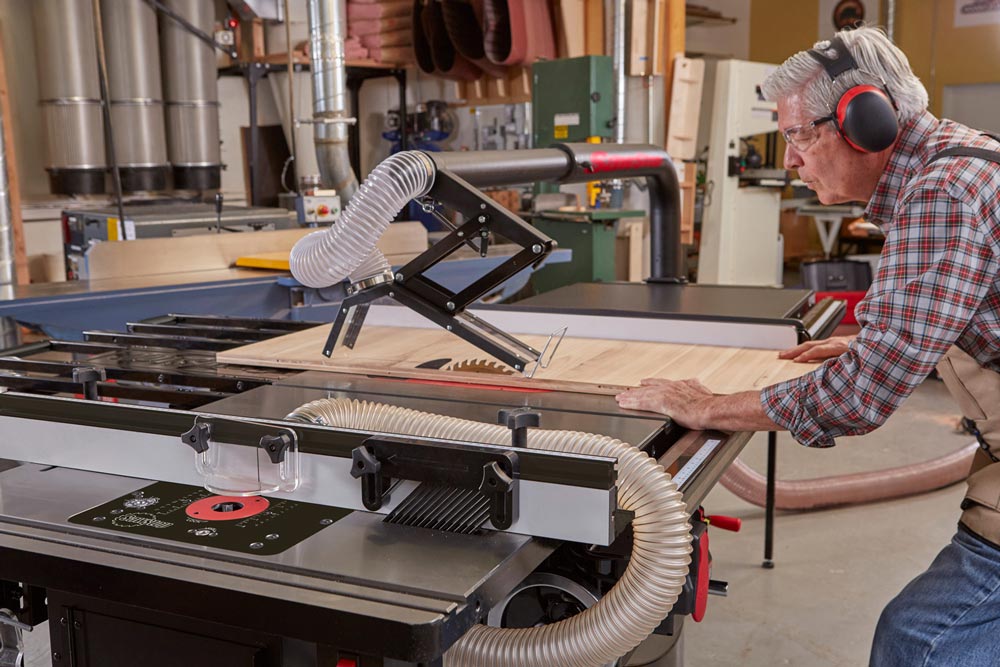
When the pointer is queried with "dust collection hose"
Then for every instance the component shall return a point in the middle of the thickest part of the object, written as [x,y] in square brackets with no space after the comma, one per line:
[347,248]
[621,619]
[866,487]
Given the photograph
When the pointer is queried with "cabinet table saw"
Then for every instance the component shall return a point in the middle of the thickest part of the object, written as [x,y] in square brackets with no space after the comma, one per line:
[171,507]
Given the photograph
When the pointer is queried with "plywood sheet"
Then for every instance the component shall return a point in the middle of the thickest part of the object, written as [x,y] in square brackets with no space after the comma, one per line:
[206,252]
[586,365]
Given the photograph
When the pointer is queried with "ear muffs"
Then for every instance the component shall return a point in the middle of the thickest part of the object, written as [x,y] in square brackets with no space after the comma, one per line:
[867,119]
[865,115]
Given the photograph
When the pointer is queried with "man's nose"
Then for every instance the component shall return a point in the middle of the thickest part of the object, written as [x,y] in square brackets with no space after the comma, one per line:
[793,159]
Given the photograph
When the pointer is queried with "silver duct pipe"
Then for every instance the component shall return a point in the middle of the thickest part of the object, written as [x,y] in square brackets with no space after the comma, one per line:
[70,94]
[136,94]
[327,28]
[7,268]
[192,96]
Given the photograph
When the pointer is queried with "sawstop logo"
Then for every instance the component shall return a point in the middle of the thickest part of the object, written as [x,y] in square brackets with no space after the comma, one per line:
[140,519]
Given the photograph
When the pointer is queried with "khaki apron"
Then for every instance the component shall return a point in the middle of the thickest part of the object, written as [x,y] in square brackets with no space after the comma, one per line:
[977,391]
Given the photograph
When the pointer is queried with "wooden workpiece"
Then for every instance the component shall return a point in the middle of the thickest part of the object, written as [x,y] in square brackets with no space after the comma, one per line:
[586,365]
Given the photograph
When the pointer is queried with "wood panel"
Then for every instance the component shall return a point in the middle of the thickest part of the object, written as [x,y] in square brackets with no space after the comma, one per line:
[204,252]
[673,46]
[585,365]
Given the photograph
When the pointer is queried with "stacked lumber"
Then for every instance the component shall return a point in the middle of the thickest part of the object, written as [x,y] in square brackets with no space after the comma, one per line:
[379,30]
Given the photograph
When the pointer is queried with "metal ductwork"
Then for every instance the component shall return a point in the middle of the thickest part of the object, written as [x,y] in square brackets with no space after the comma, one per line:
[7,254]
[136,94]
[192,96]
[70,94]
[327,28]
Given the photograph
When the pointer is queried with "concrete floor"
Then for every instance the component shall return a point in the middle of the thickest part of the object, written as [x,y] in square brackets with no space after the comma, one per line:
[834,569]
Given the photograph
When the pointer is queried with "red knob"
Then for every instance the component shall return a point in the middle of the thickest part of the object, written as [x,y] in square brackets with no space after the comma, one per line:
[725,522]
[323,209]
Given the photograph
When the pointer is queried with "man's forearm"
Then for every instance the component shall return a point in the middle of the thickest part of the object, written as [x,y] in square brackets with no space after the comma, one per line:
[735,412]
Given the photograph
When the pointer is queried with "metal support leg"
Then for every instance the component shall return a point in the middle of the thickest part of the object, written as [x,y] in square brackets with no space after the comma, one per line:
[254,73]
[772,454]
[354,131]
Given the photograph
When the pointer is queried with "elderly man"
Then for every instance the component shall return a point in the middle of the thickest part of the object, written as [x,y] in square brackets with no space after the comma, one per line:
[857,129]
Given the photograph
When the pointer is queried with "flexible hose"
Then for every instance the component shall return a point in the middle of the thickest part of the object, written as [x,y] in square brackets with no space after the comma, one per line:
[347,248]
[630,611]
[866,487]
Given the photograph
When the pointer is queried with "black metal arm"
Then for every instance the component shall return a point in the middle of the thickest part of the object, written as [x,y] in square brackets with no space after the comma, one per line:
[458,175]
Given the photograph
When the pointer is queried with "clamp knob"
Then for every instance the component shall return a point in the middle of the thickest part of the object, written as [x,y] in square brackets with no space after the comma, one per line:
[519,420]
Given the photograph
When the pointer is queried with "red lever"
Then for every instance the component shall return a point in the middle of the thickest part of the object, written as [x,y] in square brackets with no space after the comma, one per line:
[725,522]
[344,662]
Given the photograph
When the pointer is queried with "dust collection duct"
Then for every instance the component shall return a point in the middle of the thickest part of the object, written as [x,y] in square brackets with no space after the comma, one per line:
[70,94]
[192,96]
[135,90]
[327,29]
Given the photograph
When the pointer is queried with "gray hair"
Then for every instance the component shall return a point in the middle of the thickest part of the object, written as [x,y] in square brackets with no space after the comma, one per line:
[880,63]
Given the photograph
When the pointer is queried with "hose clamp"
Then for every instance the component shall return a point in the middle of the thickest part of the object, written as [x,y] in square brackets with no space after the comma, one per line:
[369,282]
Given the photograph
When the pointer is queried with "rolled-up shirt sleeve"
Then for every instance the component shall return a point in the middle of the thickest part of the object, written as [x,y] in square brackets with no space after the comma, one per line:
[936,268]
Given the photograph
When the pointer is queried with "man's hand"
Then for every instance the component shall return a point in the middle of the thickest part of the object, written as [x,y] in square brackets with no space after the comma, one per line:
[817,350]
[681,400]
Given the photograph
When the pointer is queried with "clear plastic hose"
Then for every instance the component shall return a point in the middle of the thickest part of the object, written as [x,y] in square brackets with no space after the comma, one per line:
[630,611]
[347,248]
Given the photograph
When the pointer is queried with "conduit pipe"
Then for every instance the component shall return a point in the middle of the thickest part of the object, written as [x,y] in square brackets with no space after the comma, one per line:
[327,28]
[630,611]
[866,487]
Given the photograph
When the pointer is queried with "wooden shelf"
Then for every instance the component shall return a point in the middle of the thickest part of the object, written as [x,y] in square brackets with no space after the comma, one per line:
[708,21]
[302,59]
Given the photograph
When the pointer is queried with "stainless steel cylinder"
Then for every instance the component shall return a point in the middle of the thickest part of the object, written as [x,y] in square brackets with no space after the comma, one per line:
[192,96]
[136,93]
[7,254]
[70,94]
[327,30]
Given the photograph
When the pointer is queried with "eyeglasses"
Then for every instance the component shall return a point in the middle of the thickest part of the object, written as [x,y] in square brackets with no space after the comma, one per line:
[805,135]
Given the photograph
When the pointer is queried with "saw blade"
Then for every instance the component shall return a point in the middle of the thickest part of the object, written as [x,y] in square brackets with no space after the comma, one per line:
[479,366]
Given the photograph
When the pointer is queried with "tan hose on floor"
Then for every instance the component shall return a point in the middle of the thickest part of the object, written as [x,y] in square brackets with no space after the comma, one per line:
[865,487]
[630,611]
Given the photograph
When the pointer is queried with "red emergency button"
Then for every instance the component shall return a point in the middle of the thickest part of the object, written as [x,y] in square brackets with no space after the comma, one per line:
[323,209]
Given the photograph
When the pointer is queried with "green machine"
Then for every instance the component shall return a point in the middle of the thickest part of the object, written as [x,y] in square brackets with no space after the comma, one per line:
[573,101]
[591,235]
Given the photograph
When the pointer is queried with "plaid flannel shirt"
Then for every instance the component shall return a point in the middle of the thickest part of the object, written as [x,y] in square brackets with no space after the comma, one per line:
[937,285]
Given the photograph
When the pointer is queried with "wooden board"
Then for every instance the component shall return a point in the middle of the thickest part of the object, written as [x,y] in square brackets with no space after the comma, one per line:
[673,45]
[204,252]
[585,365]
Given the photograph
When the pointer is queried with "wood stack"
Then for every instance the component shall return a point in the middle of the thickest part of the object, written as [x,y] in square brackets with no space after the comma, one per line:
[379,30]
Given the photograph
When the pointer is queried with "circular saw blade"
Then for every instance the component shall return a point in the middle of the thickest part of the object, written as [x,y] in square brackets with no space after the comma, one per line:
[479,366]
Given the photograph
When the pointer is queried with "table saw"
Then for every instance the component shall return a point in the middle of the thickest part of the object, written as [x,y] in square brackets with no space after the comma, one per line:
[174,507]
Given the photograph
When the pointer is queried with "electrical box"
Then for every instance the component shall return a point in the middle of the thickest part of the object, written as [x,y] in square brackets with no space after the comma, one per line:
[572,100]
[322,207]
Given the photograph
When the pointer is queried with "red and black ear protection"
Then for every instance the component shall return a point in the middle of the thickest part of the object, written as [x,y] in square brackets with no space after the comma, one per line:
[865,115]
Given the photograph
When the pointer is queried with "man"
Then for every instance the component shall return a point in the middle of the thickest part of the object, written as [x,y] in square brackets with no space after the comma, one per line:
[936,286]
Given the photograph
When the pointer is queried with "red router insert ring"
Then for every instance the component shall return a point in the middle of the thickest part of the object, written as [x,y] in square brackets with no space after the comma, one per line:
[226,508]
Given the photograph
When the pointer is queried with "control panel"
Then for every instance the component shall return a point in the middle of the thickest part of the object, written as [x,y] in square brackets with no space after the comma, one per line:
[322,207]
